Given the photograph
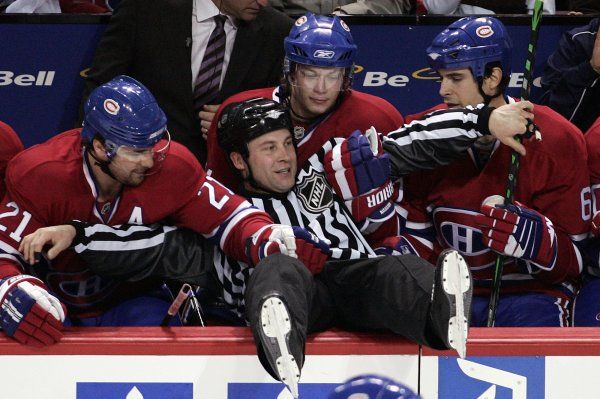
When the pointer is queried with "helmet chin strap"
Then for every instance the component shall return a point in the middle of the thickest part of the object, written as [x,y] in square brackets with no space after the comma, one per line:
[486,98]
[102,164]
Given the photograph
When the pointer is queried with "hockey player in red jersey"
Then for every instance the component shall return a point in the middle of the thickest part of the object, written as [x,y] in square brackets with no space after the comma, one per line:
[539,233]
[318,69]
[10,144]
[586,309]
[119,168]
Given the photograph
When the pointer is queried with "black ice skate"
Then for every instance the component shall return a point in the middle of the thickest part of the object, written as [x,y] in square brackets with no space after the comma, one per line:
[275,329]
[451,300]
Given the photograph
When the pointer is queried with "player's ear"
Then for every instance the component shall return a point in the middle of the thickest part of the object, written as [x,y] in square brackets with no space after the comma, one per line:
[99,149]
[491,83]
[239,163]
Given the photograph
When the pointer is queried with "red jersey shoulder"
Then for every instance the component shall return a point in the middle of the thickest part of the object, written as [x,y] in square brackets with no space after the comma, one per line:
[592,138]
[177,180]
[420,115]
[44,164]
[560,138]
[10,144]
[358,106]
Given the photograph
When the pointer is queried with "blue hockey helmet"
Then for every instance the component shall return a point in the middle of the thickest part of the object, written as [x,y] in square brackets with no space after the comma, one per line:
[124,113]
[370,386]
[321,41]
[472,42]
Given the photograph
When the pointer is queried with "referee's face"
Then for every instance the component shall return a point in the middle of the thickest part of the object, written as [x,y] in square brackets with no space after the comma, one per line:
[272,161]
[245,10]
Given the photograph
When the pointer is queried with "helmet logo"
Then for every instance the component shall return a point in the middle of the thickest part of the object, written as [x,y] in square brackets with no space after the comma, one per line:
[484,31]
[346,28]
[328,54]
[301,21]
[434,56]
[273,114]
[111,106]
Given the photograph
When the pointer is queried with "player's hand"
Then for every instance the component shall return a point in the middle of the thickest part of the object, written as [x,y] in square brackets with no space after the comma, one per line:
[519,232]
[510,120]
[206,116]
[359,172]
[28,312]
[296,242]
[396,245]
[59,237]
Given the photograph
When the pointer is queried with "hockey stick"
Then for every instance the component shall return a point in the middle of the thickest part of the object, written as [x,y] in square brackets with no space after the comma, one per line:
[513,168]
[177,302]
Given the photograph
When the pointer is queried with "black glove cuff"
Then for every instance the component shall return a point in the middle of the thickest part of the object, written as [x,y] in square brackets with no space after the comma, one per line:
[483,120]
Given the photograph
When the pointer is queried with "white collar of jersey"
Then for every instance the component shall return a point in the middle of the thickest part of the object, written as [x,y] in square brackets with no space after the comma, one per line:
[203,10]
[89,177]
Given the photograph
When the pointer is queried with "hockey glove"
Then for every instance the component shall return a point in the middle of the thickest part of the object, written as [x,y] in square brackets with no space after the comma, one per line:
[295,241]
[29,313]
[396,245]
[519,232]
[359,172]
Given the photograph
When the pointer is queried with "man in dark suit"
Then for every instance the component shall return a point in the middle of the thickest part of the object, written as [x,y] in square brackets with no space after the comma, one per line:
[160,42]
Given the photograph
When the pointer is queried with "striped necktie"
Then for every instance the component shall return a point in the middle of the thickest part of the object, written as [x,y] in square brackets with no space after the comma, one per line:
[209,75]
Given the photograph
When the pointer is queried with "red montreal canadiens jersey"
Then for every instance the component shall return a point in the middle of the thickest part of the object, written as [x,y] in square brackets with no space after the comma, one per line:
[10,144]
[592,138]
[356,111]
[552,180]
[51,184]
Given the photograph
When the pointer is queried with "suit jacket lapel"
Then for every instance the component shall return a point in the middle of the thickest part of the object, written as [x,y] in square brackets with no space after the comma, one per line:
[245,50]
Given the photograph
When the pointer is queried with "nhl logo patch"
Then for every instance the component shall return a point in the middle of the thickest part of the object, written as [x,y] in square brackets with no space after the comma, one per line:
[314,193]
[298,132]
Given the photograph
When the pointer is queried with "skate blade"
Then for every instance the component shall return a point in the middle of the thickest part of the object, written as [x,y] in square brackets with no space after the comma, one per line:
[276,324]
[457,284]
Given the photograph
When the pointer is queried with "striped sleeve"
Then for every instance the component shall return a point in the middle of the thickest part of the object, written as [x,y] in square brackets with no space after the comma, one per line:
[131,252]
[437,139]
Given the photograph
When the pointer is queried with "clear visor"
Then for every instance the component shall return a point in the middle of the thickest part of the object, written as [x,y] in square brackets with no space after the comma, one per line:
[315,78]
[153,156]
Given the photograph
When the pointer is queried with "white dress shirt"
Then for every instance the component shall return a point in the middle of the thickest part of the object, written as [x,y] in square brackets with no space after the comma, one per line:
[203,24]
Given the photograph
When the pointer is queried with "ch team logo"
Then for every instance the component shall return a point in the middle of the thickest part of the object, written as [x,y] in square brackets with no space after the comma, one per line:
[326,54]
[492,378]
[301,21]
[111,106]
[344,25]
[484,31]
